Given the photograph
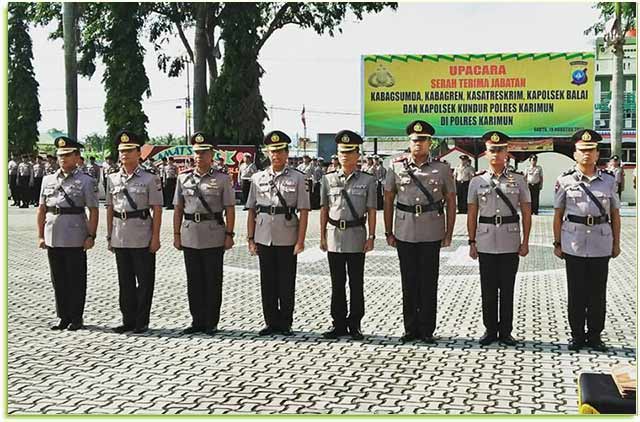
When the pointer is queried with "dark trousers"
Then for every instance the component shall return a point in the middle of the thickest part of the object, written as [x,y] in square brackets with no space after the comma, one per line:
[587,295]
[69,277]
[136,278]
[462,189]
[13,187]
[246,186]
[37,185]
[341,264]
[419,271]
[315,196]
[379,196]
[497,280]
[168,192]
[277,284]
[204,285]
[535,197]
[23,190]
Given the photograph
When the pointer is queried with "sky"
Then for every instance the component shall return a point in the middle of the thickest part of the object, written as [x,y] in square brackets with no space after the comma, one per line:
[324,73]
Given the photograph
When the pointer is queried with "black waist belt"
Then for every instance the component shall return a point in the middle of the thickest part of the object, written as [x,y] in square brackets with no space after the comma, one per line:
[419,209]
[272,210]
[344,224]
[499,219]
[588,220]
[143,214]
[198,217]
[65,210]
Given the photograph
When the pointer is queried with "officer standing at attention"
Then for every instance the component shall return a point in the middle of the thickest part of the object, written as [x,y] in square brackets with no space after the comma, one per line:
[65,232]
[13,181]
[493,227]
[615,167]
[307,169]
[535,181]
[586,232]
[348,201]
[334,165]
[134,215]
[275,233]
[463,174]
[24,181]
[38,175]
[422,187]
[246,169]
[202,194]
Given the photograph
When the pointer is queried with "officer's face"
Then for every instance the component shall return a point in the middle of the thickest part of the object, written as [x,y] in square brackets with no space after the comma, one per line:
[348,158]
[419,147]
[68,161]
[497,155]
[129,156]
[279,157]
[203,158]
[586,157]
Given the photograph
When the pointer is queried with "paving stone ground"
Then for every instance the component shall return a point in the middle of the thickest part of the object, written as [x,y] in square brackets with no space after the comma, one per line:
[94,371]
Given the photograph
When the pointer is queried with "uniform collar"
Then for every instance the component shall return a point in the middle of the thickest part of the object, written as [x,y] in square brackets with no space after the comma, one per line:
[505,172]
[285,170]
[354,174]
[136,171]
[428,161]
[578,175]
[208,173]
[60,173]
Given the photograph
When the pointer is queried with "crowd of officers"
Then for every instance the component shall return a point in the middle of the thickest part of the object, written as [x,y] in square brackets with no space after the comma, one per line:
[420,196]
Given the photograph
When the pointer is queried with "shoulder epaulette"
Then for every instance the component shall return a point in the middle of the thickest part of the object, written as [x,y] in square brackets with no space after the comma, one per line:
[400,159]
[299,171]
[568,172]
[609,172]
[480,173]
[150,170]
[187,170]
[330,172]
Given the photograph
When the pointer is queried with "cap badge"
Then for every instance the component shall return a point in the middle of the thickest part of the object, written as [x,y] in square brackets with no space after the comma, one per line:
[275,137]
[61,143]
[124,138]
[345,138]
[495,138]
[417,128]
[199,138]
[586,136]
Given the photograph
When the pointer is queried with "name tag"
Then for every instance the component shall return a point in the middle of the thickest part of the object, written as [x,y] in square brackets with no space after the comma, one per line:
[574,193]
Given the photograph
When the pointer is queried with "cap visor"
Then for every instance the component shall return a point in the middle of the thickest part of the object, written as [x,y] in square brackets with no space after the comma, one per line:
[63,151]
[202,147]
[124,147]
[586,145]
[419,137]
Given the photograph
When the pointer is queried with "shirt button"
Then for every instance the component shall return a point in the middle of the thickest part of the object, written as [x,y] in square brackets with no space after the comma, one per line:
[497,210]
[588,231]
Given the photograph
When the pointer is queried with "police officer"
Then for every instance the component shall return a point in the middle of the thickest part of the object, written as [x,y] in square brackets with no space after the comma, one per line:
[65,232]
[38,174]
[348,201]
[586,231]
[306,168]
[463,174]
[316,177]
[24,181]
[380,172]
[334,165]
[108,168]
[13,181]
[616,168]
[275,233]
[134,212]
[246,169]
[534,180]
[493,227]
[202,194]
[169,178]
[422,187]
[51,166]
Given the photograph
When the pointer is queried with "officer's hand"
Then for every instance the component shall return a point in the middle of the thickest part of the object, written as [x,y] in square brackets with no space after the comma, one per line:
[228,243]
[616,251]
[473,251]
[253,249]
[177,242]
[523,250]
[323,244]
[446,242]
[391,241]
[154,246]
[109,248]
[557,251]
[368,245]
[298,248]
[88,243]
[41,243]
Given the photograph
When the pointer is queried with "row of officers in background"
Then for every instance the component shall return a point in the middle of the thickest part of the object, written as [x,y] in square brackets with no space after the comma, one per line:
[419,217]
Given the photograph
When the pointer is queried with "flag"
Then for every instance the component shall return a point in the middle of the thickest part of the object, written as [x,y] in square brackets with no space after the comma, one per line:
[304,120]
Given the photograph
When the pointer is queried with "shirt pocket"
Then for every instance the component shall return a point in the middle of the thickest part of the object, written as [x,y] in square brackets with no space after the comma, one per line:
[483,195]
[604,200]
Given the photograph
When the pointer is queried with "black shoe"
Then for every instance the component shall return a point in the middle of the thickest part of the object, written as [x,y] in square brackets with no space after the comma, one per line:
[61,325]
[122,329]
[508,340]
[140,330]
[575,345]
[487,339]
[597,345]
[335,333]
[407,337]
[356,333]
[75,326]
[210,331]
[428,340]
[285,332]
[191,330]
[267,331]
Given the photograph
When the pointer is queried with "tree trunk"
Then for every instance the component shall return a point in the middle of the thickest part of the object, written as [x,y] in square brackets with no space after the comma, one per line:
[200,69]
[70,67]
[617,99]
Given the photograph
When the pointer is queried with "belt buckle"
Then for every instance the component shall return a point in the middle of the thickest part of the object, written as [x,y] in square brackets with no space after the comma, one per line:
[123,215]
[498,220]
[56,210]
[272,210]
[418,210]
[196,217]
[591,220]
[342,225]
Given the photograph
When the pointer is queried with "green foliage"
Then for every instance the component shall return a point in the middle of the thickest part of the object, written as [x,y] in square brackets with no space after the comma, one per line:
[607,11]
[169,139]
[23,104]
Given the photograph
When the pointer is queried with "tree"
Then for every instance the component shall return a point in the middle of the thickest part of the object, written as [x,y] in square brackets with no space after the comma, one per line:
[169,139]
[69,24]
[615,20]
[23,104]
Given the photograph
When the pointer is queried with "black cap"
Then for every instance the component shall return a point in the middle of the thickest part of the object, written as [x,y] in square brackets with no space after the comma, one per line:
[201,142]
[276,140]
[495,138]
[65,145]
[420,130]
[615,158]
[126,139]
[586,139]
[348,141]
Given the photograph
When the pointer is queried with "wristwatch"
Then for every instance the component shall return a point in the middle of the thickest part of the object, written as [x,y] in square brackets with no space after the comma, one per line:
[556,243]
[92,236]
[372,237]
[472,241]
[388,234]
[231,234]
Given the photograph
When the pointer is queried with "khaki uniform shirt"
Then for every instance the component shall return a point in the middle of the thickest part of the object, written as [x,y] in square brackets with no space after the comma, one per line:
[146,191]
[463,173]
[247,170]
[25,169]
[217,190]
[170,171]
[534,175]
[13,168]
[317,174]
[38,170]
[437,179]
[503,238]
[380,173]
[67,230]
[306,169]
[361,188]
[579,239]
[275,229]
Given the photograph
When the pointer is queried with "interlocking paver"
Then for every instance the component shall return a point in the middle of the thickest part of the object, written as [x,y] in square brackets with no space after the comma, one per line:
[95,371]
